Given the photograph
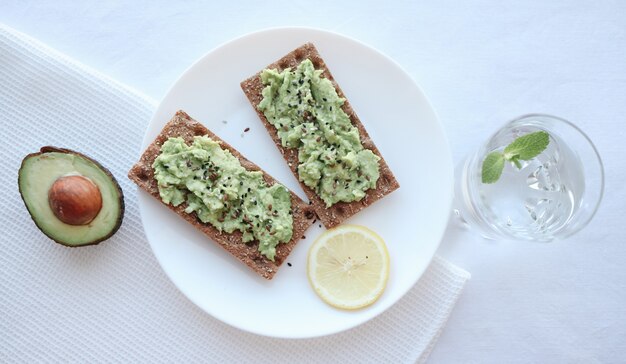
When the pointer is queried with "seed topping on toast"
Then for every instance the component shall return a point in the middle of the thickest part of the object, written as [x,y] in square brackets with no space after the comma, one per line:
[306,111]
[221,192]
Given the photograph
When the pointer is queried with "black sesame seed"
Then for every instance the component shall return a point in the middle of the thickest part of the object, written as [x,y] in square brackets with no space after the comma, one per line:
[289,264]
[323,98]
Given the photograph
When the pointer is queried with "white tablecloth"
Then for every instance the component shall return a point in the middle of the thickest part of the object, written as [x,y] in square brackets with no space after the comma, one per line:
[481,63]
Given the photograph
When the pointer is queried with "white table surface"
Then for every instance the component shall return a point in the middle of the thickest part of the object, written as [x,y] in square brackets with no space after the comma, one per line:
[481,63]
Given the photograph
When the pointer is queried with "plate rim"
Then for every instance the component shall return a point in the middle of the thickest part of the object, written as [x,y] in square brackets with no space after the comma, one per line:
[449,167]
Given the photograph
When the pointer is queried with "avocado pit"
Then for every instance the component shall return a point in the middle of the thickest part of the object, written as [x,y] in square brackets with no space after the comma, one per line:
[75,200]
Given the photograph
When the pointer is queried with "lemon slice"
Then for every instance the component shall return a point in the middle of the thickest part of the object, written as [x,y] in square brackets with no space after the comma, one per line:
[348,266]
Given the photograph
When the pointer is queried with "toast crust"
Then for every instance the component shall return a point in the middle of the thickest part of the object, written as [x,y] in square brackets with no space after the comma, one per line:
[340,211]
[182,125]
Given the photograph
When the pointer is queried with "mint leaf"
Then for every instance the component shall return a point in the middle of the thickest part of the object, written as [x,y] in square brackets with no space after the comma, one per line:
[523,148]
[527,147]
[492,167]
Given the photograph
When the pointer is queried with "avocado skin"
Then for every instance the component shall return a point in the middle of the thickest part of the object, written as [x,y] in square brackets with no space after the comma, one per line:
[49,149]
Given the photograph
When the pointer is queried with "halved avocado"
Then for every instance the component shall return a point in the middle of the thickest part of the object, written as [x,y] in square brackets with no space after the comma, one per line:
[71,198]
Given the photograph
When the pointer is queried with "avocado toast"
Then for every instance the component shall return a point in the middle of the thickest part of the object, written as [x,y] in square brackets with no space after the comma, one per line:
[184,132]
[328,150]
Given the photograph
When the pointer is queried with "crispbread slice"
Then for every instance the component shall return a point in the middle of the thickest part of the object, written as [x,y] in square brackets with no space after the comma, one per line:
[340,211]
[182,125]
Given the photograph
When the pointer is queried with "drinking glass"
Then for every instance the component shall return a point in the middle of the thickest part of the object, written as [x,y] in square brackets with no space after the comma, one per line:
[551,196]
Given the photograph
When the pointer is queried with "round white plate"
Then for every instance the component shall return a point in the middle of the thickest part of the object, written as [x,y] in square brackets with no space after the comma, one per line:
[411,220]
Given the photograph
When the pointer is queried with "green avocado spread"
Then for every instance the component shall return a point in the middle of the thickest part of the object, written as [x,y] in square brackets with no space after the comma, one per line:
[223,193]
[306,111]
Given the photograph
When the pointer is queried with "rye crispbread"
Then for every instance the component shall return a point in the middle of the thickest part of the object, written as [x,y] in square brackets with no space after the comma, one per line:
[182,125]
[340,211]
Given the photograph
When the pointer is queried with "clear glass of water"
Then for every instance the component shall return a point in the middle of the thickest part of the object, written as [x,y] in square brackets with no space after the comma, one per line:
[551,196]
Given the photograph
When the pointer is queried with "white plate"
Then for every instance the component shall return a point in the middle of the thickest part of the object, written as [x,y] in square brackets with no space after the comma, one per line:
[411,220]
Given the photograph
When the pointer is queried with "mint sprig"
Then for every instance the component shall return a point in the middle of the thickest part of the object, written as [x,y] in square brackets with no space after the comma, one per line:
[523,148]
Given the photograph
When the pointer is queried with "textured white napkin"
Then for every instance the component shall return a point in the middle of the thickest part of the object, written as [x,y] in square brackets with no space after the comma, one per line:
[112,302]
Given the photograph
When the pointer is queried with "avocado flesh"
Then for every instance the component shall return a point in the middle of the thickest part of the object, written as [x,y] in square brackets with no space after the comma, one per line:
[37,174]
